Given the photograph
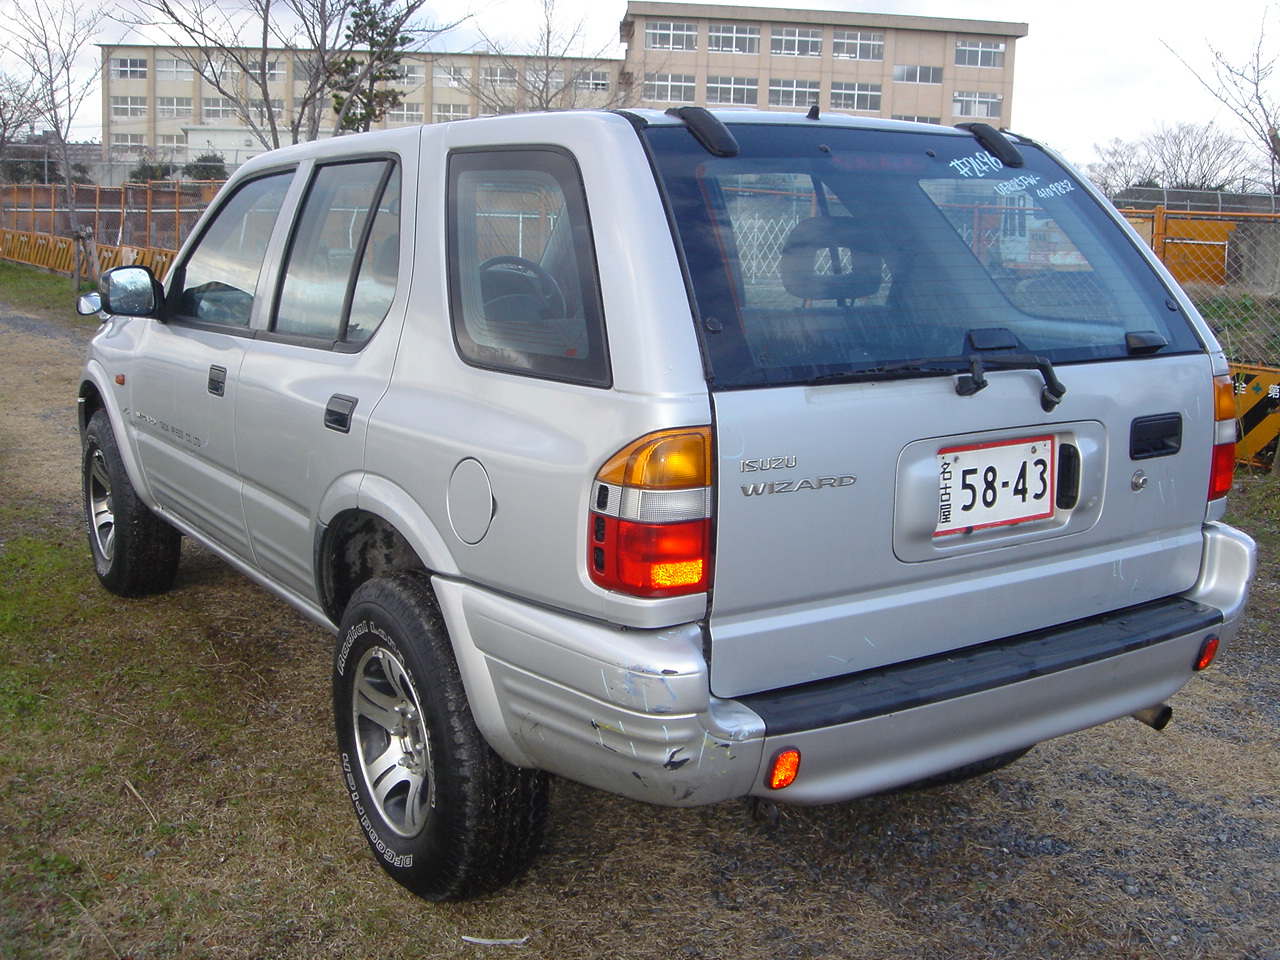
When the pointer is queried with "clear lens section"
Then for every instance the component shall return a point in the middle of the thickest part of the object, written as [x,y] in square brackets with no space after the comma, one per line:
[664,506]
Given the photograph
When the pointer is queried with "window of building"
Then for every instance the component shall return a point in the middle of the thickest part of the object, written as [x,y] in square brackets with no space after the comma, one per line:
[915,74]
[228,71]
[128,106]
[855,96]
[343,261]
[916,118]
[670,87]
[408,74]
[739,90]
[523,291]
[274,72]
[168,68]
[171,140]
[796,42]
[128,68]
[503,78]
[665,35]
[975,104]
[444,112]
[733,38]
[543,79]
[260,108]
[857,45]
[979,53]
[406,113]
[448,75]
[173,108]
[128,142]
[594,80]
[793,93]
[215,109]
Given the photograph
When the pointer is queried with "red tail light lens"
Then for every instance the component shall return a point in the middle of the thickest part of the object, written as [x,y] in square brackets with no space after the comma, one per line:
[649,533]
[1222,472]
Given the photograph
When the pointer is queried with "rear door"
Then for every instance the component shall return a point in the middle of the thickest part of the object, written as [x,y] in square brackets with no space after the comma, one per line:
[889,321]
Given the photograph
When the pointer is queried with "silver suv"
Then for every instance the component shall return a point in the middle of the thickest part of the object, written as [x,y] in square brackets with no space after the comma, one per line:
[690,456]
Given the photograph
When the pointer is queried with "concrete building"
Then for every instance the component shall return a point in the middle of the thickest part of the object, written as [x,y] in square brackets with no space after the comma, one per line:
[917,68]
[159,102]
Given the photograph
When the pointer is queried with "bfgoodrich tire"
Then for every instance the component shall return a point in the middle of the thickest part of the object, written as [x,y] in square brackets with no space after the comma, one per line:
[134,551]
[445,816]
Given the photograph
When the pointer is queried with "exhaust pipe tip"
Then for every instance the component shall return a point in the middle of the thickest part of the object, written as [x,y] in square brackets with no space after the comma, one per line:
[1157,717]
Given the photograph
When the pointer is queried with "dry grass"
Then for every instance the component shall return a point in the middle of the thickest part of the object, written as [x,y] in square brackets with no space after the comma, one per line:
[168,788]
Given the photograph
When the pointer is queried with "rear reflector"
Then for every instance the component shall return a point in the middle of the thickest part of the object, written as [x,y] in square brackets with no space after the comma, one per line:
[784,769]
[1208,650]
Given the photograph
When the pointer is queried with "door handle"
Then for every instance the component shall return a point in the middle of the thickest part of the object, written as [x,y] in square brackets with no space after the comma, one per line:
[218,381]
[337,413]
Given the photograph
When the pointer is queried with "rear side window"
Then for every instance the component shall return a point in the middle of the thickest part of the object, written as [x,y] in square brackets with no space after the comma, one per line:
[217,283]
[341,267]
[522,276]
[859,253]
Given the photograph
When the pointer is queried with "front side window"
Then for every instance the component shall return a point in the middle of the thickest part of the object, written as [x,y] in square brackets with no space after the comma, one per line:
[863,255]
[522,277]
[343,260]
[218,282]
[665,35]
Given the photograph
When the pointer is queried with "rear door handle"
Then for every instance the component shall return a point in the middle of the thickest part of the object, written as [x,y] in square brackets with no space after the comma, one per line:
[337,413]
[218,381]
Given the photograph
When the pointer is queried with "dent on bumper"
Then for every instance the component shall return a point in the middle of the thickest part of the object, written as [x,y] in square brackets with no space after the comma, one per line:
[629,711]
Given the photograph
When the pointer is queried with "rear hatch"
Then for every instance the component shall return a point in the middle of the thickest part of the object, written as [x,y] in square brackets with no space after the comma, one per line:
[953,403]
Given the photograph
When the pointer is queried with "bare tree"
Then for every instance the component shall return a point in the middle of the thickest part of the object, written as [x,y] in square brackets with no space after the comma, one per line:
[1246,88]
[241,52]
[48,38]
[549,73]
[19,108]
[1181,156]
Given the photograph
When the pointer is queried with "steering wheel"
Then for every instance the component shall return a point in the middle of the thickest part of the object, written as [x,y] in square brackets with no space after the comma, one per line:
[545,289]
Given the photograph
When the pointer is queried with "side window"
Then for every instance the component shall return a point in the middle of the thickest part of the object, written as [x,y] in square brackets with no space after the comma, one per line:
[217,282]
[341,266]
[522,273]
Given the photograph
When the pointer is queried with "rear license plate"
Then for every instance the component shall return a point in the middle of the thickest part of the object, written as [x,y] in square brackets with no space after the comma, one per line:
[995,484]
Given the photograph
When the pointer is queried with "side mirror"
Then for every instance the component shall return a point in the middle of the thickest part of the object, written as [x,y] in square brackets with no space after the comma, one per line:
[87,304]
[130,292]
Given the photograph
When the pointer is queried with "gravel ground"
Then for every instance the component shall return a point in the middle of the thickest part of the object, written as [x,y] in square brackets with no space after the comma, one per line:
[1117,842]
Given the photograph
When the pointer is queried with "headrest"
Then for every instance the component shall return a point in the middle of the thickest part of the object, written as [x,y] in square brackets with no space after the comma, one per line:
[840,239]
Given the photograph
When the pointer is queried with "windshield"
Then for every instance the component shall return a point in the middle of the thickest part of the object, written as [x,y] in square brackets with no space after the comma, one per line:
[840,252]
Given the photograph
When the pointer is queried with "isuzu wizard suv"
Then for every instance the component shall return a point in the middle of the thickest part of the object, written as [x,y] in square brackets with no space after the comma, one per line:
[690,456]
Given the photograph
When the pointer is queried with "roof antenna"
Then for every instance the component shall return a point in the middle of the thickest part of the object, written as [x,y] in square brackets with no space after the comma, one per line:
[813,113]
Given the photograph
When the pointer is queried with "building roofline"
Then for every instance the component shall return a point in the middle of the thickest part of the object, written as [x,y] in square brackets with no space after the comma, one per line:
[646,8]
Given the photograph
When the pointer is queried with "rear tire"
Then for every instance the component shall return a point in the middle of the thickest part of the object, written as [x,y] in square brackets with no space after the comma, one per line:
[445,816]
[134,552]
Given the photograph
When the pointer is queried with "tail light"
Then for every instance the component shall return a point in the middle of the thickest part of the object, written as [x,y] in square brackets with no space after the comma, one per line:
[649,533]
[1224,439]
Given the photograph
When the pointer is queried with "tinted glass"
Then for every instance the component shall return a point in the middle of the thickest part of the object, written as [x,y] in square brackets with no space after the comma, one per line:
[821,252]
[522,277]
[338,265]
[219,279]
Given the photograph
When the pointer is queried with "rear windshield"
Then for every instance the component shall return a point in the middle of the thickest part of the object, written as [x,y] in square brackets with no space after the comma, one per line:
[833,253]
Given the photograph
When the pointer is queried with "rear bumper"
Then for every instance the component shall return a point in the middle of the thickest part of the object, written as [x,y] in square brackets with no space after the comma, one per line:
[630,711]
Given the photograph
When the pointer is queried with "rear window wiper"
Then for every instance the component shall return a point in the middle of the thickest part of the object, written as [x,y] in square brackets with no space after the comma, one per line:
[968,382]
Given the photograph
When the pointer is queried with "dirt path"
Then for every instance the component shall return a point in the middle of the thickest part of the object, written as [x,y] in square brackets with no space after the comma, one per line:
[1113,844]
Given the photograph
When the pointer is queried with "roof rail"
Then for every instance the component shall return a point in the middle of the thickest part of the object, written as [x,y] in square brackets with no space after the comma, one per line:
[708,129]
[996,143]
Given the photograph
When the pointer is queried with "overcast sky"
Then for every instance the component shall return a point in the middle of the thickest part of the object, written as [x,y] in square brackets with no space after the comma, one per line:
[1088,70]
